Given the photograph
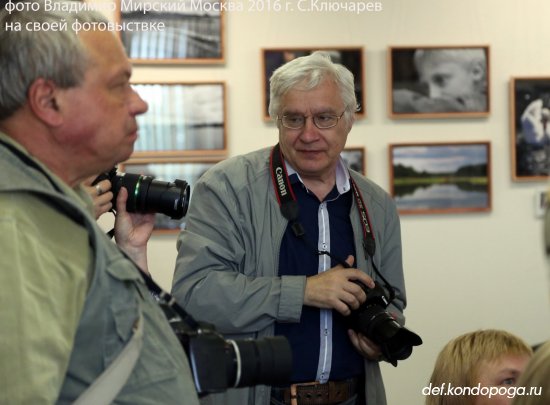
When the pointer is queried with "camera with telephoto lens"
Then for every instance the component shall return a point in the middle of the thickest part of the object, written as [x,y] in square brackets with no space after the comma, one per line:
[147,195]
[218,364]
[372,320]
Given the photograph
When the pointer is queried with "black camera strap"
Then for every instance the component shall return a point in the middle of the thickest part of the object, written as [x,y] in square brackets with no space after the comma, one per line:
[29,162]
[71,213]
[290,210]
[167,302]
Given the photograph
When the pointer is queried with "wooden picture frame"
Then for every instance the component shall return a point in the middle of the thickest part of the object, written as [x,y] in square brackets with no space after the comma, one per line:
[434,178]
[183,120]
[168,171]
[191,34]
[438,82]
[530,132]
[350,57]
[355,158]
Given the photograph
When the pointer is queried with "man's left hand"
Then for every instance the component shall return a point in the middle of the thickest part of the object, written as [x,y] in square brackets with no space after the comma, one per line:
[132,231]
[365,346]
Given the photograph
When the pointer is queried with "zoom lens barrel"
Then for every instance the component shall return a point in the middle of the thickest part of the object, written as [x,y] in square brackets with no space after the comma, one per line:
[147,195]
[372,320]
[265,361]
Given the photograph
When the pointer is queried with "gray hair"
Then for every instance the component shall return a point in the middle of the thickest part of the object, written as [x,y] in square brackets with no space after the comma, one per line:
[308,72]
[52,54]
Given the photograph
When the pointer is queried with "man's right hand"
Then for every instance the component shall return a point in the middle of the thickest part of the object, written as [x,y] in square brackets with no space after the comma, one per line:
[336,289]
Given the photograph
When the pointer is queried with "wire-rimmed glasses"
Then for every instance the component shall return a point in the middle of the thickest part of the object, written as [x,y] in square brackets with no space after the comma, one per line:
[321,120]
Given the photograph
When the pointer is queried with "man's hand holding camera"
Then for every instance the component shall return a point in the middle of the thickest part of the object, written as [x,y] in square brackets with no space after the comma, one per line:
[337,289]
[133,230]
[101,195]
[365,346]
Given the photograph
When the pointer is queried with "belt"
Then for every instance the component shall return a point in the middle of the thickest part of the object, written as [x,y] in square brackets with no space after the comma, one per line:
[315,393]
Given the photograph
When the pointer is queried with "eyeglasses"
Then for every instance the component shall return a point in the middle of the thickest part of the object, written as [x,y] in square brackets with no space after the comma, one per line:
[321,121]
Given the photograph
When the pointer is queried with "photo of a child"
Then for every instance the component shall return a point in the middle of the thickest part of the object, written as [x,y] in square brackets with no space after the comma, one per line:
[433,82]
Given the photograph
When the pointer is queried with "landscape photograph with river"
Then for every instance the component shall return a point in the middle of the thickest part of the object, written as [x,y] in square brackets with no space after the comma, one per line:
[441,177]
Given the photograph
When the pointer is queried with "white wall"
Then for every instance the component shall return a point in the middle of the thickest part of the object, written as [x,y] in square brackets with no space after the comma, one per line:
[463,271]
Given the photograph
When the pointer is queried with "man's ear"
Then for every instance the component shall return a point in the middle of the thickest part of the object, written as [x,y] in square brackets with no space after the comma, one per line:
[42,101]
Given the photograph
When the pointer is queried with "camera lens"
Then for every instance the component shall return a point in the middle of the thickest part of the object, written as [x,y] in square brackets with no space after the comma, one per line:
[377,324]
[147,195]
[372,320]
[265,361]
[218,364]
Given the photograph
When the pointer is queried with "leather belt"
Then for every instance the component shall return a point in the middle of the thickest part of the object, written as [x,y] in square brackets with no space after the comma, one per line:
[315,393]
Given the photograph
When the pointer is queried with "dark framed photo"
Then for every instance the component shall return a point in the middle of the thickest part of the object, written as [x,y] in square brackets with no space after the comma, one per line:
[190,33]
[430,178]
[438,81]
[355,159]
[184,119]
[169,171]
[529,119]
[350,57]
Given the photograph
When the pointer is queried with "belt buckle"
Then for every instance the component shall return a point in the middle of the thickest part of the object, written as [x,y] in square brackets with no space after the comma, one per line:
[294,390]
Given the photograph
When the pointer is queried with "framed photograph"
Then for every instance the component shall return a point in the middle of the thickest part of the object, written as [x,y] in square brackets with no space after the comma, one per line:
[428,178]
[192,33]
[529,116]
[355,159]
[438,82]
[184,119]
[352,58]
[168,172]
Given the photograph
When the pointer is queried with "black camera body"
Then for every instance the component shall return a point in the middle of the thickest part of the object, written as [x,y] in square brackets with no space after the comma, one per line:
[372,320]
[147,195]
[218,364]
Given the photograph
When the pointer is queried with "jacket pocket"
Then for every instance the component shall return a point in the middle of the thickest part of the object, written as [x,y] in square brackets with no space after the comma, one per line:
[123,308]
[161,357]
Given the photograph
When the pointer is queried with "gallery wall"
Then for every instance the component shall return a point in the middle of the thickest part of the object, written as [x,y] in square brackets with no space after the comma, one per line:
[463,271]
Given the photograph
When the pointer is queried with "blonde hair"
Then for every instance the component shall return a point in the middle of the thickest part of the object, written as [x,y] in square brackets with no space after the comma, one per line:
[460,360]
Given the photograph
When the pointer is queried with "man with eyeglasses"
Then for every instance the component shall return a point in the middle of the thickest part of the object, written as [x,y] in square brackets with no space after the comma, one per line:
[274,244]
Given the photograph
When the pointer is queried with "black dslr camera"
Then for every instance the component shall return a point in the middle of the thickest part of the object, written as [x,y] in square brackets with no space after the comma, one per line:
[372,320]
[218,364]
[147,195]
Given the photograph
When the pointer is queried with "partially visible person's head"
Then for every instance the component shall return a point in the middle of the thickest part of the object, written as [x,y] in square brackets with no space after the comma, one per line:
[72,87]
[537,377]
[452,73]
[313,101]
[485,358]
[52,54]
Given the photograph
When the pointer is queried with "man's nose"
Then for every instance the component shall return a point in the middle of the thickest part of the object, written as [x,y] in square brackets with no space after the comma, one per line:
[309,132]
[138,105]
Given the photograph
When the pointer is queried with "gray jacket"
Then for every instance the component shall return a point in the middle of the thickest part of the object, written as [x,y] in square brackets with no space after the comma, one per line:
[226,270]
[117,295]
